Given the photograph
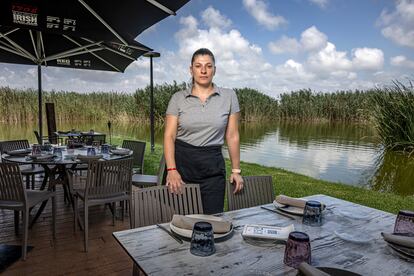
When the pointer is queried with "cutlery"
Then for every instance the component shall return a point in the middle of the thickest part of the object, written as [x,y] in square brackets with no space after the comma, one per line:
[172,235]
[277,212]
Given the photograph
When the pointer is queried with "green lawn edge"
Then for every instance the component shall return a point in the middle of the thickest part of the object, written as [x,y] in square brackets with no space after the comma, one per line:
[298,185]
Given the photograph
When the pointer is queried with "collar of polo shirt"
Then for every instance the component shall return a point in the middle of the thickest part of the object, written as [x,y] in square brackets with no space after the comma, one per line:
[190,88]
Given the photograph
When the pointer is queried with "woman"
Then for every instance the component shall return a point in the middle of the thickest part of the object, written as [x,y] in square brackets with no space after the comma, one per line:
[197,121]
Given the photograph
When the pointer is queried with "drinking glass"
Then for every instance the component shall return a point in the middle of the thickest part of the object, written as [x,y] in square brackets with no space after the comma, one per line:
[36,149]
[105,148]
[57,152]
[404,222]
[91,151]
[312,215]
[202,239]
[297,249]
[71,146]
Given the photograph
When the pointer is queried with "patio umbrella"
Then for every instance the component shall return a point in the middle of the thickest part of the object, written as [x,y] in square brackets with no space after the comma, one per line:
[40,26]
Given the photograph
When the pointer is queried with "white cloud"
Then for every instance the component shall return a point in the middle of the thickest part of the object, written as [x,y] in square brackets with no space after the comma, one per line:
[313,39]
[284,45]
[368,58]
[329,59]
[214,19]
[402,61]
[259,10]
[321,3]
[399,24]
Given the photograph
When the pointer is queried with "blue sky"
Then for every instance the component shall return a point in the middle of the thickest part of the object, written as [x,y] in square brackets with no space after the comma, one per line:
[274,46]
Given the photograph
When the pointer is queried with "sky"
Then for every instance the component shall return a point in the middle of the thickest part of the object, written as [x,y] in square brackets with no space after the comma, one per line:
[274,46]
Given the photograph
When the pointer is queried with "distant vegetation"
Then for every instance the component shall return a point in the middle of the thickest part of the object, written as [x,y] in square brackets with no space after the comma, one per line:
[389,109]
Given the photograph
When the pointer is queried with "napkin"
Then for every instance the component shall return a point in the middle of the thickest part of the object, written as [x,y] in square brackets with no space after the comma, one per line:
[120,151]
[184,222]
[291,201]
[19,152]
[405,241]
[308,270]
[88,157]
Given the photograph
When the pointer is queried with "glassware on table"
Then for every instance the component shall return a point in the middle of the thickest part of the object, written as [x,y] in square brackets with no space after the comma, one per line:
[297,249]
[57,151]
[105,149]
[36,149]
[71,146]
[404,222]
[202,239]
[312,215]
[91,151]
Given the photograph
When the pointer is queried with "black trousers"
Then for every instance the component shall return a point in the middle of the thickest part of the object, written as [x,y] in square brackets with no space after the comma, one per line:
[204,166]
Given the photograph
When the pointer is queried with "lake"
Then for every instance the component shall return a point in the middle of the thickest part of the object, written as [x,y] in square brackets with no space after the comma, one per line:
[340,152]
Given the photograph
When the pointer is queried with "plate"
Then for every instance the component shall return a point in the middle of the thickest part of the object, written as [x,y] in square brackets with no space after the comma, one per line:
[355,236]
[336,271]
[288,209]
[121,151]
[360,215]
[88,157]
[402,252]
[185,233]
[19,152]
[42,157]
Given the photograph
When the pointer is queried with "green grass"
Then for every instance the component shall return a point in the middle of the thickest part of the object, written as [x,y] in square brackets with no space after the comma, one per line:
[297,185]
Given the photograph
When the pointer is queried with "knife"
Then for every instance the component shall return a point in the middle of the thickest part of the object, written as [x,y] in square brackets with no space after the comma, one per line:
[172,235]
[278,212]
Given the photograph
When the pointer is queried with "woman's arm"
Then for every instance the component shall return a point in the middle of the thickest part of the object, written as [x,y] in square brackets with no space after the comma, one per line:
[233,144]
[174,181]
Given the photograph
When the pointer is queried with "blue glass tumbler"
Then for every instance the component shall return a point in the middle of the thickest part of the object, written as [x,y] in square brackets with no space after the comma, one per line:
[312,215]
[202,239]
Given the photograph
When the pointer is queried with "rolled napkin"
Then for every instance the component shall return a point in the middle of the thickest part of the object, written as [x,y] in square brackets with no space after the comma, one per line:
[406,241]
[291,201]
[184,222]
[308,270]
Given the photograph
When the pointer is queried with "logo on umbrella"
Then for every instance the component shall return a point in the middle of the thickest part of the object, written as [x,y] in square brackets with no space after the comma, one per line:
[24,14]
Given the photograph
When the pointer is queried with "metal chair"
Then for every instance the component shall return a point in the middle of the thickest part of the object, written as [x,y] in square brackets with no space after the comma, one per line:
[145,180]
[138,149]
[14,196]
[106,182]
[157,205]
[28,171]
[257,190]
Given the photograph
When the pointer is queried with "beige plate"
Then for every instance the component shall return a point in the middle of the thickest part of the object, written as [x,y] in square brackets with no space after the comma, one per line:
[288,209]
[188,233]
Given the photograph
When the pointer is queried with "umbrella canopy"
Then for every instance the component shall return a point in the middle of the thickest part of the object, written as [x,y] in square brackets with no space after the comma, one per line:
[118,21]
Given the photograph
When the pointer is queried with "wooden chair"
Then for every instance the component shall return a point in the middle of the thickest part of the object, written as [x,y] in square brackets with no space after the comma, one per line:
[43,139]
[145,180]
[28,171]
[154,205]
[13,196]
[106,182]
[138,149]
[257,190]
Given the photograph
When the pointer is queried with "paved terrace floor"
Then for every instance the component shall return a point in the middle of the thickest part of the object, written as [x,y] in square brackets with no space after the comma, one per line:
[65,256]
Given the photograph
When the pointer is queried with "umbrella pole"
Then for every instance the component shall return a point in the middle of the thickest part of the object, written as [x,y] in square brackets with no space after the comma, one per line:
[152,107]
[39,96]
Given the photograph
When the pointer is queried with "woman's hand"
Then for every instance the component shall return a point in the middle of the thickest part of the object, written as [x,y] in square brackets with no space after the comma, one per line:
[174,182]
[236,179]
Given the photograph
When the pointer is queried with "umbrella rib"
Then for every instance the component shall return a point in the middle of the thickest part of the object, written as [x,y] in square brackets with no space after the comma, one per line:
[20,49]
[97,56]
[72,50]
[112,50]
[135,47]
[64,54]
[14,52]
[162,7]
[34,46]
[40,37]
[103,22]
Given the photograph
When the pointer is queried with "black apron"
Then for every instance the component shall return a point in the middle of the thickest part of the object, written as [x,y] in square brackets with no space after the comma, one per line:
[204,166]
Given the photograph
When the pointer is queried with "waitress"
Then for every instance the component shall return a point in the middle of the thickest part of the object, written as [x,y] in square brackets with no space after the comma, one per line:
[197,121]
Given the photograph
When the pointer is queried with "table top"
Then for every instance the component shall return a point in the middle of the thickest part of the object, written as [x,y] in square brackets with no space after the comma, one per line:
[158,254]
[78,133]
[66,159]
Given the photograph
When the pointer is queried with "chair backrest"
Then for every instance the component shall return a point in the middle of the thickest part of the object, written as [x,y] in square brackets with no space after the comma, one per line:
[162,171]
[11,183]
[38,138]
[257,190]
[157,205]
[138,147]
[108,178]
[6,146]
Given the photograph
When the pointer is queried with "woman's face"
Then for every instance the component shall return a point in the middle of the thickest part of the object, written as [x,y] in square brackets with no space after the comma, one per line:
[203,70]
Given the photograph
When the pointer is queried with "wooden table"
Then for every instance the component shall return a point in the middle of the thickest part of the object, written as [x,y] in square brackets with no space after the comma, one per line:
[154,252]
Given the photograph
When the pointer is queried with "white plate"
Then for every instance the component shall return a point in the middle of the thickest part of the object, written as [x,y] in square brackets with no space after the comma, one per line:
[121,151]
[354,236]
[361,215]
[288,209]
[186,233]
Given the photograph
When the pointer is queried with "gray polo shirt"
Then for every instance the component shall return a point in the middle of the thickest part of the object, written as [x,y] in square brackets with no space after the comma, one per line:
[203,124]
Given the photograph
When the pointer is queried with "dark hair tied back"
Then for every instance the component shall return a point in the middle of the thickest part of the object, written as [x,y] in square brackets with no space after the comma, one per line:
[202,52]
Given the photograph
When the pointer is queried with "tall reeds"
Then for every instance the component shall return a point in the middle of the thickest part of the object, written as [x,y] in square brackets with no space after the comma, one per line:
[393,116]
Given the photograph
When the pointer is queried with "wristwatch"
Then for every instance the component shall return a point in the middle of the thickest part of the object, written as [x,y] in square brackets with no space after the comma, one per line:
[236,171]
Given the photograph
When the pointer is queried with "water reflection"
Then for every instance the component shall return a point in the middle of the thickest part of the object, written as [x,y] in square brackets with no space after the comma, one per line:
[344,153]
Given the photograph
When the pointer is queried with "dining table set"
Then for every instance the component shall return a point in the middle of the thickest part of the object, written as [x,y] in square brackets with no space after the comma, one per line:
[57,159]
[315,235]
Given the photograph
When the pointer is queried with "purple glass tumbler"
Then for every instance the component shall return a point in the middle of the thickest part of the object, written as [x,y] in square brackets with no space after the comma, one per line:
[297,249]
[404,222]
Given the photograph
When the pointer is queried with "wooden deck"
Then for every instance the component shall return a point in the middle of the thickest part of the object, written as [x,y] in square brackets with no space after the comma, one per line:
[65,256]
